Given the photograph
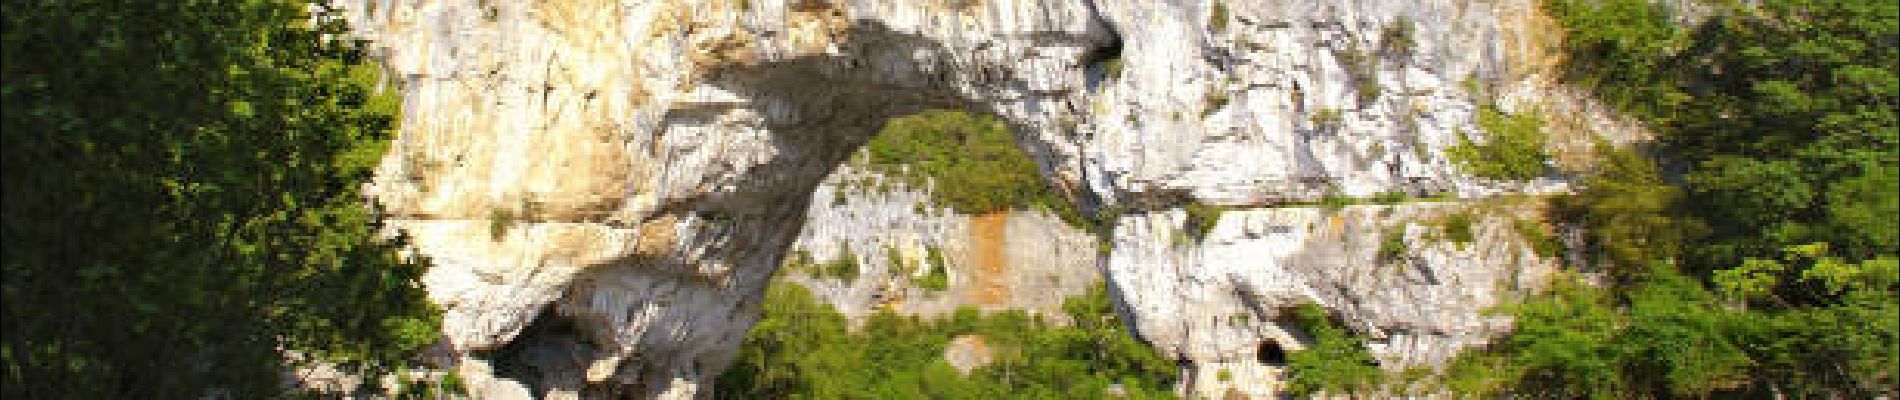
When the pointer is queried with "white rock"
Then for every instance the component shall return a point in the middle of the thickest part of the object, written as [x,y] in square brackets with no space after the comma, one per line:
[639,168]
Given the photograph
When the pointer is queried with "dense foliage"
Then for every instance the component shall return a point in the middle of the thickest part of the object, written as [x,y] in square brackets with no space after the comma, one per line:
[181,201]
[1335,361]
[972,161]
[1514,146]
[1759,260]
[804,350]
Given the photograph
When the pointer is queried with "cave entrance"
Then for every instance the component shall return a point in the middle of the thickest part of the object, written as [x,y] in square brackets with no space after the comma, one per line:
[1270,353]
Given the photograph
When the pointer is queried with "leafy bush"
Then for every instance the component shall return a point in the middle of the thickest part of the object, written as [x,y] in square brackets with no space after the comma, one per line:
[1392,244]
[1457,228]
[1336,362]
[1514,148]
[1201,219]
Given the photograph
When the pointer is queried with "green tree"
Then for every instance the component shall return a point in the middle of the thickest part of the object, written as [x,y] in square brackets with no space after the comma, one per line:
[1777,135]
[182,201]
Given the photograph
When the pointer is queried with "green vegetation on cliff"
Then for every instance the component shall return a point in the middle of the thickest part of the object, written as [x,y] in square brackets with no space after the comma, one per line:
[1759,260]
[972,161]
[1336,361]
[181,202]
[1514,146]
[803,350]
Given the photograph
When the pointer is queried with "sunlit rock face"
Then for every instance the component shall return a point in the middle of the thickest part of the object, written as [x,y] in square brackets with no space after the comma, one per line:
[898,237]
[606,187]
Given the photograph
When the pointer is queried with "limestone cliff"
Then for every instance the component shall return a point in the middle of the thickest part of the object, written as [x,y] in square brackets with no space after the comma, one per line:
[897,237]
[607,186]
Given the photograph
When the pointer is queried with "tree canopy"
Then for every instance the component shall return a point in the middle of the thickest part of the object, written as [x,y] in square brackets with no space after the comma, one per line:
[182,201]
[803,349]
[1753,249]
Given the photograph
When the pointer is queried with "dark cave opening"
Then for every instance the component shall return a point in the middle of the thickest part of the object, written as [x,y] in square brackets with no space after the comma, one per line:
[1270,353]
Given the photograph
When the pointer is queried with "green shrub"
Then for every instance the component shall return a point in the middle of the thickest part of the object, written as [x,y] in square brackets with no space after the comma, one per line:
[1515,149]
[845,268]
[1393,245]
[1201,219]
[1336,362]
[1458,228]
[1543,243]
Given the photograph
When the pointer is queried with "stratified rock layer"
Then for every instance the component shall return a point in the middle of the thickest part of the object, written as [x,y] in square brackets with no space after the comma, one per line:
[607,186]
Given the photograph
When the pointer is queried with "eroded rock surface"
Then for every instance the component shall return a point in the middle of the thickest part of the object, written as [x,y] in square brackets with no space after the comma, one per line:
[1026,260]
[607,186]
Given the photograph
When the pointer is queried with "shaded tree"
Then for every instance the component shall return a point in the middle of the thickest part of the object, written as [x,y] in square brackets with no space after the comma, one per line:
[182,201]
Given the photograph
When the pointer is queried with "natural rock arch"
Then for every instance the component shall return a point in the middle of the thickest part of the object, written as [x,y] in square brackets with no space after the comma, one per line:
[645,216]
[630,173]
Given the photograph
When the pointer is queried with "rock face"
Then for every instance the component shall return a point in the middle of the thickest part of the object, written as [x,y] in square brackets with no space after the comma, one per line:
[897,237]
[1219,302]
[606,187]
